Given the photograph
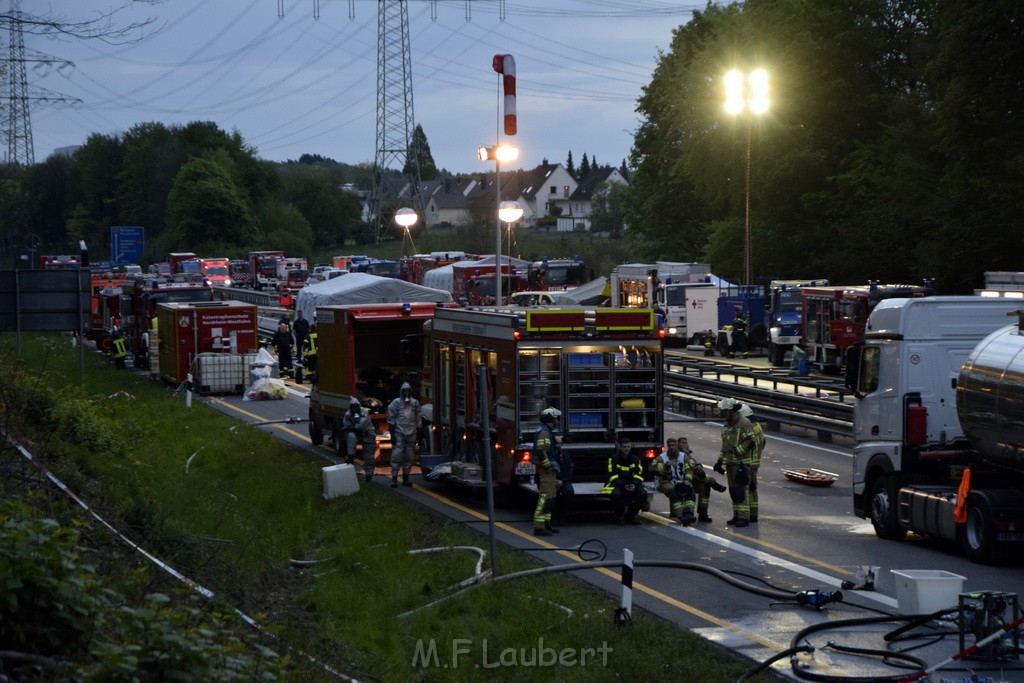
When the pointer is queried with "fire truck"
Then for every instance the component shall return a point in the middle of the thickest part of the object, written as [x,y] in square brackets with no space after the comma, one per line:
[601,367]
[292,274]
[474,281]
[263,268]
[215,270]
[366,351]
[412,268]
[557,274]
[834,318]
[139,298]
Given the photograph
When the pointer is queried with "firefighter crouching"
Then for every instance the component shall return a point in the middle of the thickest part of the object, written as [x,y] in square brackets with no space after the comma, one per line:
[703,483]
[669,479]
[545,455]
[626,483]
[357,426]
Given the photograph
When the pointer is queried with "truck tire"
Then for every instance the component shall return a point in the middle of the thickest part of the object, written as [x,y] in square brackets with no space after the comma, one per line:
[316,435]
[339,441]
[882,509]
[777,355]
[978,533]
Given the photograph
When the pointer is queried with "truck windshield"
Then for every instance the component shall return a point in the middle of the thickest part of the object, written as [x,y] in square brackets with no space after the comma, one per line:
[788,300]
[565,275]
[389,269]
[675,296]
[217,270]
[180,296]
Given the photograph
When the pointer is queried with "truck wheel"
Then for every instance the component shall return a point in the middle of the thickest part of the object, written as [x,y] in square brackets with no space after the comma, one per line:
[339,441]
[978,533]
[722,345]
[316,435]
[777,355]
[882,509]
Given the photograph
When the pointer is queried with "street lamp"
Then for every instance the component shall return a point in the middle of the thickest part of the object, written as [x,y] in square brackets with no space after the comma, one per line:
[406,218]
[509,212]
[498,153]
[747,92]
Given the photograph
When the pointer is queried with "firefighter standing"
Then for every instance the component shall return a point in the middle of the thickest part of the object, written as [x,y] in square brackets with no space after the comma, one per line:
[739,334]
[736,457]
[545,455]
[755,460]
[285,299]
[669,479]
[309,352]
[358,428]
[626,483]
[300,329]
[404,421]
[119,352]
[282,341]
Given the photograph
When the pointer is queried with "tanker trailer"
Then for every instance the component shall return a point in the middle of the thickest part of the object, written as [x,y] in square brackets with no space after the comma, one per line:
[939,422]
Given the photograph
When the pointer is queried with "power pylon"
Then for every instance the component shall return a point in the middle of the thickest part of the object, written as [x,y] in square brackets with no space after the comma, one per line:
[17,118]
[395,120]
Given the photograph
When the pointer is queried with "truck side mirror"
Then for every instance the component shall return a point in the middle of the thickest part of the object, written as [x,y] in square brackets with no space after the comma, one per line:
[852,377]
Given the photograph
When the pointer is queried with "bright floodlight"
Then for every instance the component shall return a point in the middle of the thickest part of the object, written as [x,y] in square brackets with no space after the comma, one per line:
[505,153]
[510,212]
[406,217]
[758,102]
[733,92]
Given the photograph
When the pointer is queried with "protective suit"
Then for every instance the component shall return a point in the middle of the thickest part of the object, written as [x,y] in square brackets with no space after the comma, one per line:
[404,422]
[358,427]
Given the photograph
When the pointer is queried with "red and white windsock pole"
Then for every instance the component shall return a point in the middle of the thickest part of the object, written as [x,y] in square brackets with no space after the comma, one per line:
[506,66]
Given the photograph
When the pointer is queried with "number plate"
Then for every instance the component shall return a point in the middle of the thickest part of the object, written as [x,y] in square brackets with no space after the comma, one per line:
[526,468]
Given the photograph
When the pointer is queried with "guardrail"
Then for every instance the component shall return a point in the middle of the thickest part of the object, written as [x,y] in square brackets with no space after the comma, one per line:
[778,397]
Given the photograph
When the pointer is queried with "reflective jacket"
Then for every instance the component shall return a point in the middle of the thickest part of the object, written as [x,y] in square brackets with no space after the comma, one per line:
[622,471]
[738,443]
[545,450]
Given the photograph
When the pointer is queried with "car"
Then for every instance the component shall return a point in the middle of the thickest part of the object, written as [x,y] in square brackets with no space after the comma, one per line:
[323,273]
[537,298]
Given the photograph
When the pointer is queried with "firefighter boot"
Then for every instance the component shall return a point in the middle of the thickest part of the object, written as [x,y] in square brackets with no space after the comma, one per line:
[405,479]
[688,518]
[718,486]
[394,481]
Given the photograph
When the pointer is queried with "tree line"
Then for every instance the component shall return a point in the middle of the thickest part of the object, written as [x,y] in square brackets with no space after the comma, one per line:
[892,148]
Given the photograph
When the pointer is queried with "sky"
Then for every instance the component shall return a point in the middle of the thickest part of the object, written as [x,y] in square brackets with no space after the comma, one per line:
[297,84]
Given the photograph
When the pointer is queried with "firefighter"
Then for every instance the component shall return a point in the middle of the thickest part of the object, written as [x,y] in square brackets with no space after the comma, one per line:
[626,483]
[703,484]
[670,479]
[285,299]
[282,342]
[709,344]
[404,421]
[119,352]
[309,352]
[739,334]
[546,457]
[736,458]
[300,330]
[755,460]
[357,426]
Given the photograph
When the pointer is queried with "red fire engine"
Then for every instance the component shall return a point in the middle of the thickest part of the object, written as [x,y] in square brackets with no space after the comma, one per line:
[834,318]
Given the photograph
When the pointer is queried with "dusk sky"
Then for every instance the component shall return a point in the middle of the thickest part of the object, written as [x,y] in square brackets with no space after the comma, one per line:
[299,84]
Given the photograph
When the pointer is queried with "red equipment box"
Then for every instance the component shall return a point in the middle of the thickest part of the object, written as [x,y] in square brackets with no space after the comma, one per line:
[188,329]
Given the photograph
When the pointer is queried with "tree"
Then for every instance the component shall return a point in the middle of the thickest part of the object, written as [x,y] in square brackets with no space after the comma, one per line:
[332,214]
[608,209]
[283,226]
[98,163]
[570,165]
[584,167]
[419,150]
[206,210]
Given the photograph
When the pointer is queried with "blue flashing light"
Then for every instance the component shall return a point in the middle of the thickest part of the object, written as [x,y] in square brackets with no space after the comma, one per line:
[873,285]
[544,259]
[668,281]
[406,309]
[576,258]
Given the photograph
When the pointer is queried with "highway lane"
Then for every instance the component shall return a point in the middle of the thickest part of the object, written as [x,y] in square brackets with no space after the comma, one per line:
[807,539]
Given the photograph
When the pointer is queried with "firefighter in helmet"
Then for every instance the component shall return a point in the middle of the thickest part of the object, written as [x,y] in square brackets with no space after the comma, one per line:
[309,353]
[545,455]
[755,460]
[738,445]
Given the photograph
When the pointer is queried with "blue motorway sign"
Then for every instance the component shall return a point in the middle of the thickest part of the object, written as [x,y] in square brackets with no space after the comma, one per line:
[127,243]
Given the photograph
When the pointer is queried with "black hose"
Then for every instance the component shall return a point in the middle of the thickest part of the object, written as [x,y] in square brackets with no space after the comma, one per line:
[828,678]
[767,663]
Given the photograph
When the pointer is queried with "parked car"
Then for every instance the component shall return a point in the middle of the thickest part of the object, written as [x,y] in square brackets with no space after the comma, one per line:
[533,298]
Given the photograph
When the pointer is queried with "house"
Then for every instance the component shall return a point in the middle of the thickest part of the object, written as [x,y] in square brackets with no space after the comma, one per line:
[581,201]
[447,201]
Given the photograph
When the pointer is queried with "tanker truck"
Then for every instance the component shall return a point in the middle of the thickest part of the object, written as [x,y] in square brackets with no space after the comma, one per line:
[939,422]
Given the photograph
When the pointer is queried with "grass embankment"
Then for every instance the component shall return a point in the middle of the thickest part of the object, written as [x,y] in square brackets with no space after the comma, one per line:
[229,508]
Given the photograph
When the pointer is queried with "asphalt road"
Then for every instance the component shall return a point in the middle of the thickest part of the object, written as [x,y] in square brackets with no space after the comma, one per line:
[723,581]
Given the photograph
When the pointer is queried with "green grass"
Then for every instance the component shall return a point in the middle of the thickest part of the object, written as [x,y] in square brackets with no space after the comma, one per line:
[247,503]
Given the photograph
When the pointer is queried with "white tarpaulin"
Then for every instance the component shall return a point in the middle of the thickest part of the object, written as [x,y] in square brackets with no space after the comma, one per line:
[444,276]
[363,288]
[591,294]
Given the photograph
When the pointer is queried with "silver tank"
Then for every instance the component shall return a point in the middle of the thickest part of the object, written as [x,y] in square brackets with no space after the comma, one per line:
[990,396]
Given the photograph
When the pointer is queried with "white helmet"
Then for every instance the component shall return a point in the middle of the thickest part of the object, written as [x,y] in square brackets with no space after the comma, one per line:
[728,404]
[746,411]
[550,413]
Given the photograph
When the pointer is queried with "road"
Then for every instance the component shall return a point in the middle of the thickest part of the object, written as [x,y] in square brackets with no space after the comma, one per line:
[807,539]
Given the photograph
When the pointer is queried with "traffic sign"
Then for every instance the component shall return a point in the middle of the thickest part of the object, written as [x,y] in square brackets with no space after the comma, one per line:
[127,243]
